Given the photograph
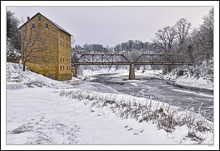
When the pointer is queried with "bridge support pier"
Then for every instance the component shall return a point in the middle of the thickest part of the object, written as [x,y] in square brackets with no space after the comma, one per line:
[131,72]
[74,71]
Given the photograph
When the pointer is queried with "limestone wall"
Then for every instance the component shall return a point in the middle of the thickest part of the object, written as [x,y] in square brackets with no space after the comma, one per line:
[48,57]
[64,53]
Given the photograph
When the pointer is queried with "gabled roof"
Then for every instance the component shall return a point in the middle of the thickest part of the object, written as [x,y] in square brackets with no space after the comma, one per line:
[59,27]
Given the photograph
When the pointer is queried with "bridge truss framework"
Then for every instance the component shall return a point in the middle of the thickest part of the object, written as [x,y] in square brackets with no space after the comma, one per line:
[120,59]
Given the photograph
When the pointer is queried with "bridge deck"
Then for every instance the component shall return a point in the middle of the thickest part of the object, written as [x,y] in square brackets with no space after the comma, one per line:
[129,63]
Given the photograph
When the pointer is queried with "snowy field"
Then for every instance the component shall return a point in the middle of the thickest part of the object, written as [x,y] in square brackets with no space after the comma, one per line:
[41,117]
[44,111]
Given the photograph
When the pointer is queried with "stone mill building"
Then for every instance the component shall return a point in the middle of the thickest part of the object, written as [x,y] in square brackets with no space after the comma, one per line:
[49,47]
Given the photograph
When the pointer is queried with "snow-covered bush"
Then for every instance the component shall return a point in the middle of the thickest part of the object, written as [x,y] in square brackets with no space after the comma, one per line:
[13,55]
[201,76]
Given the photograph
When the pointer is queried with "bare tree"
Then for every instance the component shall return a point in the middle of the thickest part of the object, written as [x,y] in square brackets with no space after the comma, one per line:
[182,30]
[206,32]
[32,42]
[202,39]
[164,38]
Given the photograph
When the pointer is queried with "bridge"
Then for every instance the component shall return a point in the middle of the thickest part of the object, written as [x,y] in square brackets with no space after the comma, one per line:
[120,59]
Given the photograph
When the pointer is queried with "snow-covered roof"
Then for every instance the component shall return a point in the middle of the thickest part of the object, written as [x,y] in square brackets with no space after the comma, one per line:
[59,27]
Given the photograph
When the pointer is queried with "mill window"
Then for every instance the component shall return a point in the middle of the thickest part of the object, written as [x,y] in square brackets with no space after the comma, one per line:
[39,18]
[60,60]
[46,25]
[60,68]
[33,25]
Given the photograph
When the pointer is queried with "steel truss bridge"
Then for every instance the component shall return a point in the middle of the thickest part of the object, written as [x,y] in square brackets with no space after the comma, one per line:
[120,59]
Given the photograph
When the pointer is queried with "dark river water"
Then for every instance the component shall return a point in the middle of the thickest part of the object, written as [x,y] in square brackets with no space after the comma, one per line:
[157,89]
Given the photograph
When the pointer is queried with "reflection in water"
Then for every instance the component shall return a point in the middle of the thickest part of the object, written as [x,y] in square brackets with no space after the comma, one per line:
[157,89]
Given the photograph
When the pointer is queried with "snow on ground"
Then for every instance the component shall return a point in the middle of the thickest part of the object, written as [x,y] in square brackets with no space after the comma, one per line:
[17,79]
[200,76]
[48,119]
[44,111]
[39,116]
[192,81]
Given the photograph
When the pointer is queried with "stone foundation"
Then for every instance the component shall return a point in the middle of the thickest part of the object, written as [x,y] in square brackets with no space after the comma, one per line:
[63,77]
[60,77]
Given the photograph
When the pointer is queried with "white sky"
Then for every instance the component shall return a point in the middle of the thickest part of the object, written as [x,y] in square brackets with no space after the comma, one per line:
[113,25]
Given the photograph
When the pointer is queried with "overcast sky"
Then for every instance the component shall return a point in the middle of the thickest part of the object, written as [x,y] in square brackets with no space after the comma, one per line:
[113,25]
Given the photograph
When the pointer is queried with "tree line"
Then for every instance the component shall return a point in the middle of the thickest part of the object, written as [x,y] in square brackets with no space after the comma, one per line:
[196,44]
[13,37]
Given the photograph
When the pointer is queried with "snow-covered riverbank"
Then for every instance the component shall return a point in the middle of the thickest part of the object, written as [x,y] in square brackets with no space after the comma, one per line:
[45,111]
[200,76]
[41,117]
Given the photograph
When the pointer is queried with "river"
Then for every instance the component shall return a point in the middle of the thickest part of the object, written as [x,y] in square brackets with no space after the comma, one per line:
[157,89]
